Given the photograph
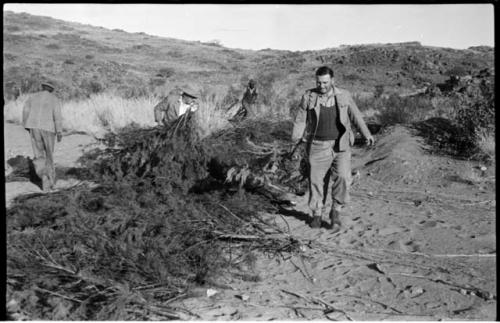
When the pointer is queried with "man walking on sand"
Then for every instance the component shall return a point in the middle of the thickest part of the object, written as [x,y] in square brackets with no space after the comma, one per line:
[42,118]
[178,102]
[323,123]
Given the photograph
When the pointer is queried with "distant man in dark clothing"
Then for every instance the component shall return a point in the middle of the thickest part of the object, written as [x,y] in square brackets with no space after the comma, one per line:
[247,102]
[323,122]
[250,96]
[42,118]
[178,102]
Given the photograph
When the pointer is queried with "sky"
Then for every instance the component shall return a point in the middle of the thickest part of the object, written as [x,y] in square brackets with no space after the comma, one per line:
[288,27]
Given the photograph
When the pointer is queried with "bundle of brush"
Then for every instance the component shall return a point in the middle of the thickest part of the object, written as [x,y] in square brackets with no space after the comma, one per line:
[171,156]
[256,155]
[120,250]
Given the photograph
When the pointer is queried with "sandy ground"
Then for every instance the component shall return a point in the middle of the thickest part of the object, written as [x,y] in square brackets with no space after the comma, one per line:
[417,243]
[66,153]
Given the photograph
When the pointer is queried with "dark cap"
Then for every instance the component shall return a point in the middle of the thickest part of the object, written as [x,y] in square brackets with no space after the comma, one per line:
[191,91]
[47,84]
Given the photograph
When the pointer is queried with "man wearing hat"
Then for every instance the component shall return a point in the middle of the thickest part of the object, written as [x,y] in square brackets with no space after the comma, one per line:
[247,102]
[250,97]
[178,102]
[42,118]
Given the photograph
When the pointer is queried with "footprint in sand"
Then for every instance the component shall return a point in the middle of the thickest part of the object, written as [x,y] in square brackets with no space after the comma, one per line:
[431,224]
[391,229]
[409,246]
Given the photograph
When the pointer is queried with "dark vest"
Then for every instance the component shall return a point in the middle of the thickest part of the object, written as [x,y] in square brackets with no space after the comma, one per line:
[327,124]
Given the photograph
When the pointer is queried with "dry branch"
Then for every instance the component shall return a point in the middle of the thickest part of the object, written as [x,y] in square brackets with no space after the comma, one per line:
[471,290]
[317,300]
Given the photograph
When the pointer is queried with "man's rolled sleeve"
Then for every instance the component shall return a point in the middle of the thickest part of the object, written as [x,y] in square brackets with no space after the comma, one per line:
[357,118]
[26,111]
[299,124]
[58,116]
[159,109]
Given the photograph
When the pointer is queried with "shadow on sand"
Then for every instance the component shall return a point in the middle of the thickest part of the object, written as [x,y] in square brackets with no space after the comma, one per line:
[23,170]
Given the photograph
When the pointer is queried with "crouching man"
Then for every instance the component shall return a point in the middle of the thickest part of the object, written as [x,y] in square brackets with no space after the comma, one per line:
[178,102]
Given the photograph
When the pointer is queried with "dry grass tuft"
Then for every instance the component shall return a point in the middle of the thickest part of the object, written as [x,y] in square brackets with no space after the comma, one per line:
[96,115]
[486,143]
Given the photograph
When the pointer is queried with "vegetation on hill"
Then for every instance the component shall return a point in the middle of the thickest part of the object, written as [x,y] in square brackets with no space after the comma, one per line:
[84,60]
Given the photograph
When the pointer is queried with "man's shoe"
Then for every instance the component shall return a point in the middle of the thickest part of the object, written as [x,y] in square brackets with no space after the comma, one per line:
[316,222]
[46,184]
[334,219]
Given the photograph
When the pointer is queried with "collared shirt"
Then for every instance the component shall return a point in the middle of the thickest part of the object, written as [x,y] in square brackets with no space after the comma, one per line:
[327,99]
[183,107]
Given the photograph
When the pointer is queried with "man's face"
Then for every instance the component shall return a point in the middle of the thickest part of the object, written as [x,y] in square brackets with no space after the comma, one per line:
[324,83]
[187,99]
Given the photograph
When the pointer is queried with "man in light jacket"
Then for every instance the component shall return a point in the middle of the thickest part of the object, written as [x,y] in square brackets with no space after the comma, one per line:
[323,123]
[42,118]
[178,102]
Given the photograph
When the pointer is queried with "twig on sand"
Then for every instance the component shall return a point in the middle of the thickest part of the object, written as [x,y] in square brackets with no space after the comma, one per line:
[382,199]
[471,290]
[479,202]
[288,306]
[317,300]
[286,222]
[231,213]
[482,255]
[463,255]
[305,274]
[384,306]
[58,295]
[240,219]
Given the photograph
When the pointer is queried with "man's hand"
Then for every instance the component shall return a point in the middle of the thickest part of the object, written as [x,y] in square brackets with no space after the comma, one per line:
[59,136]
[370,141]
[194,106]
[297,150]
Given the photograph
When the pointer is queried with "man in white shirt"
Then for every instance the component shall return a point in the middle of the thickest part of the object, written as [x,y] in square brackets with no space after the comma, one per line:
[178,102]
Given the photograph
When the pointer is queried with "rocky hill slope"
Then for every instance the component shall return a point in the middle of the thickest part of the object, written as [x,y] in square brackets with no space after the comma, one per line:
[83,59]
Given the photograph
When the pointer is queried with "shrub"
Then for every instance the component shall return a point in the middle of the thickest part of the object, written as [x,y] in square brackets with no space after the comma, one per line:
[211,114]
[53,46]
[232,96]
[132,91]
[477,109]
[457,70]
[69,61]
[214,42]
[12,28]
[379,90]
[88,56]
[403,110]
[9,57]
[157,81]
[485,141]
[166,72]
[90,87]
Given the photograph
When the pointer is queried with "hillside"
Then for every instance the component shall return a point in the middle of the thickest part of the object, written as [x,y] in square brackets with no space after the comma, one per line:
[83,59]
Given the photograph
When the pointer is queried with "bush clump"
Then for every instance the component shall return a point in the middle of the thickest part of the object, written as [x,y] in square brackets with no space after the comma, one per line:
[159,222]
